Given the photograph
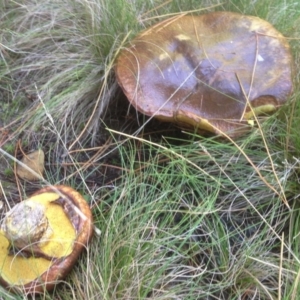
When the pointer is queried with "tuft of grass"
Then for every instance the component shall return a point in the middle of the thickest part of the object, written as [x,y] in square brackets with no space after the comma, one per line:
[60,56]
[172,231]
[181,216]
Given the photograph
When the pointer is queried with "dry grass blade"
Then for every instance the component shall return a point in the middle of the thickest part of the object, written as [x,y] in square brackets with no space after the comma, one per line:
[181,216]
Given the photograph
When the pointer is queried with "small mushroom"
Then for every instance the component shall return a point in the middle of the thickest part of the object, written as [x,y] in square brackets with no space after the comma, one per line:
[41,239]
[213,71]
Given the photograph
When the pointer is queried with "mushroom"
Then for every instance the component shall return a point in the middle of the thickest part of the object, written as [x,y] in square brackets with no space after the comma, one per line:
[41,239]
[213,71]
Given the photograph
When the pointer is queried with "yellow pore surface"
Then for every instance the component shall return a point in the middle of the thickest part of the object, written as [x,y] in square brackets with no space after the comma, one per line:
[17,270]
[267,108]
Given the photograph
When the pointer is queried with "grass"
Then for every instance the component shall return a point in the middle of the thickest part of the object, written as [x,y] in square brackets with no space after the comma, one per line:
[181,216]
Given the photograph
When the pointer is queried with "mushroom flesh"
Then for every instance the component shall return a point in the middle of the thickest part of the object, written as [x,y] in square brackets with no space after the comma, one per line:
[41,239]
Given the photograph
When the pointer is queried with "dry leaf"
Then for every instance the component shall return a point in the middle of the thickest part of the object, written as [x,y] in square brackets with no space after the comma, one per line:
[34,161]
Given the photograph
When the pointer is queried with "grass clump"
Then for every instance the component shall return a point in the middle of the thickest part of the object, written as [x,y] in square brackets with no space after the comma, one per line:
[173,231]
[59,57]
[181,216]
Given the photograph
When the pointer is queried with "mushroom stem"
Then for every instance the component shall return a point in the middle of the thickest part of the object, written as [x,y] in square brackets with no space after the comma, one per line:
[26,225]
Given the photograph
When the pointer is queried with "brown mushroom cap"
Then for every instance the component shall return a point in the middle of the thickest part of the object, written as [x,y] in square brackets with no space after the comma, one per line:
[40,266]
[211,71]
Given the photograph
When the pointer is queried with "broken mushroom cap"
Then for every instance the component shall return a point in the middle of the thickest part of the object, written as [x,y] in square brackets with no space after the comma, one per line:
[41,239]
[212,71]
